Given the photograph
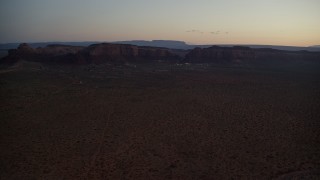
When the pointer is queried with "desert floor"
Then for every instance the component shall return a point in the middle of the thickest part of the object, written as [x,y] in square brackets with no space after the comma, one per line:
[158,121]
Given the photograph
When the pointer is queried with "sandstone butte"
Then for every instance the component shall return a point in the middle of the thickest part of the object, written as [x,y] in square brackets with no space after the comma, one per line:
[97,53]
[246,54]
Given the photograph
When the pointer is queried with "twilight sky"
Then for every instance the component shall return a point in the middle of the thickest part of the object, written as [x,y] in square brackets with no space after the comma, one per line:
[274,22]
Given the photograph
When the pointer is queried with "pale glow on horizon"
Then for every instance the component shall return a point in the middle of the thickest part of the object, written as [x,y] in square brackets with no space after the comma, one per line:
[273,22]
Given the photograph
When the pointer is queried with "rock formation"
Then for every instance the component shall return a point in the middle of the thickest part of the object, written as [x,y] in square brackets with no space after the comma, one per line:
[45,54]
[97,53]
[120,53]
[220,54]
[216,54]
[100,53]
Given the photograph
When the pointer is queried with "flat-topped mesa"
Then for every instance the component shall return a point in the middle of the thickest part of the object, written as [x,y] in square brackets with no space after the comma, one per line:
[97,53]
[101,53]
[220,54]
[238,54]
[120,53]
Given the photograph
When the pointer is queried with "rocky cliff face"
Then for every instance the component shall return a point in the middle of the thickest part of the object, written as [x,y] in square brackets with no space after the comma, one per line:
[220,54]
[244,54]
[97,53]
[100,53]
[119,53]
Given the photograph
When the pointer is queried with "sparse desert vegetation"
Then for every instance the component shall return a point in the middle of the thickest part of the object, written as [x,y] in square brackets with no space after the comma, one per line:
[158,121]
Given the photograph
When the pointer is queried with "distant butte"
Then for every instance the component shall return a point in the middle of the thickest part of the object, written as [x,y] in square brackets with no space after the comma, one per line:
[246,54]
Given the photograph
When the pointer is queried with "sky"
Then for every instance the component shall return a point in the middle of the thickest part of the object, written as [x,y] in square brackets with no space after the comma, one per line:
[272,22]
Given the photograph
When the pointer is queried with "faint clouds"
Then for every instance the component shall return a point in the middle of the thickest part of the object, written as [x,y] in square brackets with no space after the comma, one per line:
[218,32]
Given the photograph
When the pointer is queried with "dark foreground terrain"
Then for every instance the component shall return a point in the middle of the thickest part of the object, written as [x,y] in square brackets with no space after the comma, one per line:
[158,121]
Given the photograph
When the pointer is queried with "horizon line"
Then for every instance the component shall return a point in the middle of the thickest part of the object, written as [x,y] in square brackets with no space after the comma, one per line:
[187,43]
